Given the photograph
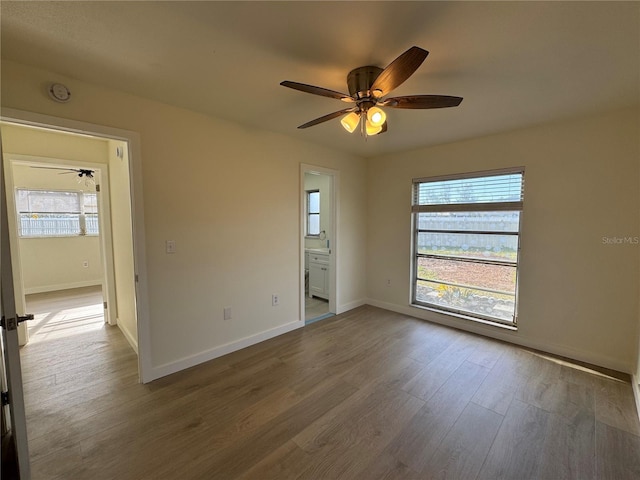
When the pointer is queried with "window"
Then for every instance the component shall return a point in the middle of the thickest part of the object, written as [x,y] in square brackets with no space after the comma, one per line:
[466,244]
[45,213]
[313,213]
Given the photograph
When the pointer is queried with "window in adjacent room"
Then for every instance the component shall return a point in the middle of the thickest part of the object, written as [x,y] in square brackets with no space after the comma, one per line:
[47,213]
[313,213]
[466,244]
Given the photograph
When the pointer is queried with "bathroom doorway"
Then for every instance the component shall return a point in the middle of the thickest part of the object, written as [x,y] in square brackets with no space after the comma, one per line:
[318,243]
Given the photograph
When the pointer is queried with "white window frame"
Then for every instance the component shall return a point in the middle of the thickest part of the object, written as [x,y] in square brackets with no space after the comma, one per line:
[82,214]
[417,208]
[308,213]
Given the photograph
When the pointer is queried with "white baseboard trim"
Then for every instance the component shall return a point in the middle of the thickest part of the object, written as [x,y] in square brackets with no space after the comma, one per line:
[127,334]
[193,360]
[635,384]
[61,286]
[505,335]
[350,306]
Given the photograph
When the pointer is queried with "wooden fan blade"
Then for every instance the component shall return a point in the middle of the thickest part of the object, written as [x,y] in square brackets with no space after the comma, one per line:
[303,87]
[422,101]
[399,70]
[55,168]
[327,117]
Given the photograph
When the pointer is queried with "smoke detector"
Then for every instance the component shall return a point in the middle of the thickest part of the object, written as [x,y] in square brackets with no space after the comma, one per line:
[59,93]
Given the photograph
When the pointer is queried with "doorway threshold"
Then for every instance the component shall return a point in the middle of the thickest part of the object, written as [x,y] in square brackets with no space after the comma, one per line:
[317,319]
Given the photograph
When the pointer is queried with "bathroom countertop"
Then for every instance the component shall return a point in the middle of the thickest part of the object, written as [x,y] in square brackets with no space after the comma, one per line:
[317,250]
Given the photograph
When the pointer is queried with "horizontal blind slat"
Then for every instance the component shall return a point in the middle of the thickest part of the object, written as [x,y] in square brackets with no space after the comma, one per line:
[469,207]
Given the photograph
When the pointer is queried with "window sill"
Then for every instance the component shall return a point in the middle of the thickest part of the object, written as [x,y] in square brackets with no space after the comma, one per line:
[512,328]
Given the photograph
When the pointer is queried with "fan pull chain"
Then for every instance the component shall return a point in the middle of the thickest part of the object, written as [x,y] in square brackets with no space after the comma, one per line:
[363,126]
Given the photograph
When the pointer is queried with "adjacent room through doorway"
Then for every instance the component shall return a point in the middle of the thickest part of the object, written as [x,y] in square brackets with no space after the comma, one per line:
[72,247]
[70,220]
[319,242]
[64,314]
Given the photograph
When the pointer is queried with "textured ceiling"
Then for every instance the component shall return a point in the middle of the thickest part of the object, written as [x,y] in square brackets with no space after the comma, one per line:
[515,63]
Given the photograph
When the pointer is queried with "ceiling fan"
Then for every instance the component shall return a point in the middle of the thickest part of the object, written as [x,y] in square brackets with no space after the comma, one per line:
[367,87]
[85,173]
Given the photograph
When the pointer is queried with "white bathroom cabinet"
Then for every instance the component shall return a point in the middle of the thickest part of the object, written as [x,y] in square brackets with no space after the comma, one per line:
[319,275]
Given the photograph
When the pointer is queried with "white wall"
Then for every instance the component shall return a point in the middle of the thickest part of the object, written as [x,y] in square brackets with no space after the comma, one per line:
[321,183]
[235,246]
[50,264]
[578,295]
[122,240]
[41,143]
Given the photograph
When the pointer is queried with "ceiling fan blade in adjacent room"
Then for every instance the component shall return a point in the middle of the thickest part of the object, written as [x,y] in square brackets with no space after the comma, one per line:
[327,117]
[303,87]
[422,101]
[54,168]
[399,70]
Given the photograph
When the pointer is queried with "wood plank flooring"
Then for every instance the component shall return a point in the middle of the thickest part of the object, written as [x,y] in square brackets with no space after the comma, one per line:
[365,395]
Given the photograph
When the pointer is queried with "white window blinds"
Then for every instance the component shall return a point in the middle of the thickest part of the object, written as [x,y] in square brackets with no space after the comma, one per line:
[496,191]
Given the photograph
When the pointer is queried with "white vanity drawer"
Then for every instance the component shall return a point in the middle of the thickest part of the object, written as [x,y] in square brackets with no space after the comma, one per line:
[318,258]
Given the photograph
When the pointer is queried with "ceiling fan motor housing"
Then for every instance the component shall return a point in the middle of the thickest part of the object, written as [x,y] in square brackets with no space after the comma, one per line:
[359,80]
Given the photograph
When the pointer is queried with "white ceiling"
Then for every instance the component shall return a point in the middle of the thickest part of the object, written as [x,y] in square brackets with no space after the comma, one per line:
[515,63]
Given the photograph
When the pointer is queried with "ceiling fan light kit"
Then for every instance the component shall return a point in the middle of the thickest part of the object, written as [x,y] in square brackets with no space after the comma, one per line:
[376,116]
[350,121]
[370,129]
[367,87]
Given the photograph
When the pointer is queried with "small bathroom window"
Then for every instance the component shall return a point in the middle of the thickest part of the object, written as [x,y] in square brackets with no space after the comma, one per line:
[313,213]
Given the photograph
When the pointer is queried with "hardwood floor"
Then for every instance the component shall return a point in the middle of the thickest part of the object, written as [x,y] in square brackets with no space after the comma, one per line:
[365,395]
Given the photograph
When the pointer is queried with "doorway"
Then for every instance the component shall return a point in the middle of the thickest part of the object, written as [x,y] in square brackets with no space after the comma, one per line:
[318,243]
[125,291]
[71,243]
[59,226]
[124,154]
[66,231]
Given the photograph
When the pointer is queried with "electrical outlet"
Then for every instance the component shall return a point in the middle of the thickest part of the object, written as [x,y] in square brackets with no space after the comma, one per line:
[227,313]
[85,264]
[388,282]
[170,246]
[275,300]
